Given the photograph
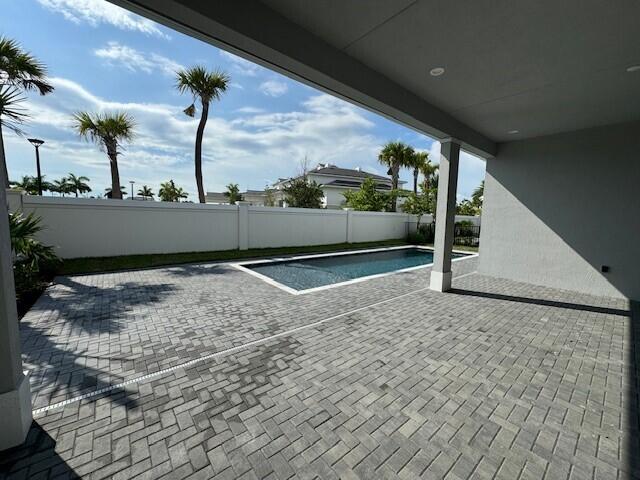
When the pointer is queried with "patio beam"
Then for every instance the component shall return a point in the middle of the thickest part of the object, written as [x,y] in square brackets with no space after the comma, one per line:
[15,394]
[445,215]
[252,30]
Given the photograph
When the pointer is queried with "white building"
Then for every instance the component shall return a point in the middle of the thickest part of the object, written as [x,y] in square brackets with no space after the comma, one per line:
[333,180]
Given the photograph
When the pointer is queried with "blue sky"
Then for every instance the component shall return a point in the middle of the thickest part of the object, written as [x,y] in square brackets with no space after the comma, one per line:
[103,58]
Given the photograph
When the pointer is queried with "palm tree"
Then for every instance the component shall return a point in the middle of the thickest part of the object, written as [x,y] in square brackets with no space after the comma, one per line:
[145,192]
[28,184]
[417,162]
[429,171]
[78,185]
[477,197]
[395,155]
[19,72]
[108,131]
[233,193]
[206,86]
[61,186]
[170,193]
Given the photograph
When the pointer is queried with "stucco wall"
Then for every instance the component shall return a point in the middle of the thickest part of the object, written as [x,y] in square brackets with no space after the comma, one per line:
[95,228]
[557,208]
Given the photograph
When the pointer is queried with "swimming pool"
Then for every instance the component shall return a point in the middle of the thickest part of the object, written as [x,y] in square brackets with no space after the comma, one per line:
[315,272]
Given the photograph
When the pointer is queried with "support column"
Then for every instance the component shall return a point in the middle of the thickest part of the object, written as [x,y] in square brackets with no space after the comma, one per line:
[445,215]
[15,395]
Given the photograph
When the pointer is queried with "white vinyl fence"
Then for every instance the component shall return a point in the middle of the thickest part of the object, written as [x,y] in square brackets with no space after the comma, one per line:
[80,227]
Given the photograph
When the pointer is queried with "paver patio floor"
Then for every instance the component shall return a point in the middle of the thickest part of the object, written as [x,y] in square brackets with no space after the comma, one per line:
[386,379]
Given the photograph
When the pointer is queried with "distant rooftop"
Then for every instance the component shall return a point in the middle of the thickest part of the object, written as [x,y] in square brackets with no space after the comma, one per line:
[332,170]
[328,169]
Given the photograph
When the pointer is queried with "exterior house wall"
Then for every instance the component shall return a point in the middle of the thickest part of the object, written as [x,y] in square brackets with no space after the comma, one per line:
[558,208]
[334,197]
[80,227]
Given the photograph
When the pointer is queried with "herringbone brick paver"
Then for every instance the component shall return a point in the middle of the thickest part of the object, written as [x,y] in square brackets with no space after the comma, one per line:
[496,379]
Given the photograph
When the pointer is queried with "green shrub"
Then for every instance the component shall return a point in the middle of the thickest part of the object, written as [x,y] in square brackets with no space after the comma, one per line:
[33,263]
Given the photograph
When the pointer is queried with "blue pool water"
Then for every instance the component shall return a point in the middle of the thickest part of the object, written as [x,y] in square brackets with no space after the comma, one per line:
[317,272]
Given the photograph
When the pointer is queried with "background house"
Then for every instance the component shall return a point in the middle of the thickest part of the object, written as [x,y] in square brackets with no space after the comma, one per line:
[333,180]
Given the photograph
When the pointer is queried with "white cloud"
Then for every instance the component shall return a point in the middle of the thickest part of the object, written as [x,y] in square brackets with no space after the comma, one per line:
[273,88]
[246,149]
[134,60]
[96,12]
[241,66]
[250,110]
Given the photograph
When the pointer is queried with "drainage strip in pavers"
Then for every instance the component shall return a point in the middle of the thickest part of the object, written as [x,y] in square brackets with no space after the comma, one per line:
[221,353]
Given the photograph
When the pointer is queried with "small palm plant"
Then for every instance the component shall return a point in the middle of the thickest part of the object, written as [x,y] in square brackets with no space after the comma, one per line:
[33,262]
[206,86]
[108,131]
[78,185]
[146,192]
[170,193]
[233,193]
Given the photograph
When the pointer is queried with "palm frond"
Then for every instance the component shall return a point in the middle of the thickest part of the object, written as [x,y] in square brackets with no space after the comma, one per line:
[100,127]
[21,69]
[11,114]
[202,83]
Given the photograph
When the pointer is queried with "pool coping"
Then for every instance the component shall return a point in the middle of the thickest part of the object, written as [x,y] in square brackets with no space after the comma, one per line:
[241,266]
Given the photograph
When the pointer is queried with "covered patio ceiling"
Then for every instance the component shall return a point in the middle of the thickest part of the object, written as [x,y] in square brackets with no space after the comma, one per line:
[512,70]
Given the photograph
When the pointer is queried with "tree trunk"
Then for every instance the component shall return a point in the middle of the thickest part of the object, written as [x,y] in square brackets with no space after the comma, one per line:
[415,180]
[395,171]
[3,160]
[112,152]
[198,153]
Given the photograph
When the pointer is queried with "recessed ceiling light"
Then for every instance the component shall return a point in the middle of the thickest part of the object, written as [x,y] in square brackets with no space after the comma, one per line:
[633,68]
[513,132]
[436,72]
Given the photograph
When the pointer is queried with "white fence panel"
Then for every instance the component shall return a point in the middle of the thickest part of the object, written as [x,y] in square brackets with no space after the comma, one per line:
[282,227]
[375,226]
[98,228]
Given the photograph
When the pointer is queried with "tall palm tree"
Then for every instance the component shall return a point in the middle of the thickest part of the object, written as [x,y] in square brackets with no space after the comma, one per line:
[429,172]
[145,192]
[108,131]
[417,162]
[395,155]
[206,86]
[19,72]
[78,185]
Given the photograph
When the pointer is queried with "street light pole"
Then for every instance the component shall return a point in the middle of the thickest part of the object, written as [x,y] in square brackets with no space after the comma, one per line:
[132,183]
[36,143]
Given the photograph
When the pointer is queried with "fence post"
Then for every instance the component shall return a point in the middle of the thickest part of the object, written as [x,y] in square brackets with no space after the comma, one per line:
[349,225]
[15,199]
[243,225]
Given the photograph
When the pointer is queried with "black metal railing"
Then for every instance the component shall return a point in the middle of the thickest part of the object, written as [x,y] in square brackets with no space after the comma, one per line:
[467,235]
[464,234]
